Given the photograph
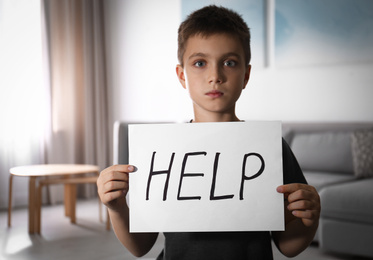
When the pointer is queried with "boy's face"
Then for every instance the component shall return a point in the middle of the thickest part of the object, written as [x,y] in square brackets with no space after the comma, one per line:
[214,73]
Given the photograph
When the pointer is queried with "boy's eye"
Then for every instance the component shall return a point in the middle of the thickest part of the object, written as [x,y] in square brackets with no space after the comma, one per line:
[199,63]
[230,63]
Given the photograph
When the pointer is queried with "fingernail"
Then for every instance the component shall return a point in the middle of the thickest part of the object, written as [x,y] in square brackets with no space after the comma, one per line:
[132,168]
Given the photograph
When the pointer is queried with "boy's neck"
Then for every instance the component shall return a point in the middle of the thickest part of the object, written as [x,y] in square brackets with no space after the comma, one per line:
[214,117]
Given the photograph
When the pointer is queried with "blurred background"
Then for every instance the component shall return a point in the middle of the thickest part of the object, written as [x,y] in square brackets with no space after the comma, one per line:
[70,68]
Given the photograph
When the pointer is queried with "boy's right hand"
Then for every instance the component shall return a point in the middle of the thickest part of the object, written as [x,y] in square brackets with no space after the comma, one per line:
[112,185]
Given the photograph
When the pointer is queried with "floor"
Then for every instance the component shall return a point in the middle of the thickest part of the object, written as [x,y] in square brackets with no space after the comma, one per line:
[88,239]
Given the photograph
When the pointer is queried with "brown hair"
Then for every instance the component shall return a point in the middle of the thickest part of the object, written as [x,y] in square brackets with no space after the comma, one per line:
[212,20]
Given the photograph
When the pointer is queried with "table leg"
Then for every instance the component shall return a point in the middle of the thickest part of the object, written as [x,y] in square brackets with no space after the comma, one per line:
[67,199]
[10,200]
[72,203]
[32,205]
[38,208]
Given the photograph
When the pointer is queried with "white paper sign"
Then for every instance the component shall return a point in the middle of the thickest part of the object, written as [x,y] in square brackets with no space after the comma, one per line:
[206,177]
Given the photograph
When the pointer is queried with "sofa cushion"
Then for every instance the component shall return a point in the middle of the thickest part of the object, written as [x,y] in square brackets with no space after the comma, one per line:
[323,151]
[351,201]
[362,152]
[352,238]
[321,179]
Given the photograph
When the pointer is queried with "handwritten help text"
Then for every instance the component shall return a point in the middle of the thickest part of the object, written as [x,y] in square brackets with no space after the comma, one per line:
[215,167]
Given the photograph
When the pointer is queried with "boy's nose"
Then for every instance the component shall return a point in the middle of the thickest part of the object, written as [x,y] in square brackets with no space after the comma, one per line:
[216,75]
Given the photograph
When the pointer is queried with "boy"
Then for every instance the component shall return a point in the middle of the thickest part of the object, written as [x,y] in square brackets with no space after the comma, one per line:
[214,56]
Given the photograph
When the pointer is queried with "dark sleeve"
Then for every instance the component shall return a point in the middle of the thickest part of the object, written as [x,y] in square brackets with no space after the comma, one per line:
[291,169]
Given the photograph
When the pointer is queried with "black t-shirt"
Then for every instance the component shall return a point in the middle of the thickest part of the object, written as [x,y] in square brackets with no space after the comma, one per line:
[229,245]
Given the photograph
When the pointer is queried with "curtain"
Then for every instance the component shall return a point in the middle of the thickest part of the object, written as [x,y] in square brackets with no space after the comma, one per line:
[79,109]
[53,92]
[24,98]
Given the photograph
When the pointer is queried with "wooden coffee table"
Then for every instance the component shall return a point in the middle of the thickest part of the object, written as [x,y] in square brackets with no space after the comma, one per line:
[67,174]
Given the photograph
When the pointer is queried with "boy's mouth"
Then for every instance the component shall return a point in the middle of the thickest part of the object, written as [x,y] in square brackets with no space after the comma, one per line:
[214,93]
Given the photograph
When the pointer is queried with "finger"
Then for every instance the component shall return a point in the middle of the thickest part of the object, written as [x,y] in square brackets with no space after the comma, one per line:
[115,185]
[299,191]
[300,205]
[292,187]
[112,181]
[306,215]
[116,176]
[120,168]
[111,196]
[116,172]
[301,195]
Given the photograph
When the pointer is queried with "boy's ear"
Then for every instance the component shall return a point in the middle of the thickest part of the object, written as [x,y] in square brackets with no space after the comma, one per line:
[247,75]
[181,75]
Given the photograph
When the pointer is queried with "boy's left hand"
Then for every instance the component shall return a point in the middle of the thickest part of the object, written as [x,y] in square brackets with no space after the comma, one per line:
[304,202]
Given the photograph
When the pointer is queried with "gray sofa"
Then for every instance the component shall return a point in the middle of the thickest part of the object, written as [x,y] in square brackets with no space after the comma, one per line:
[329,155]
